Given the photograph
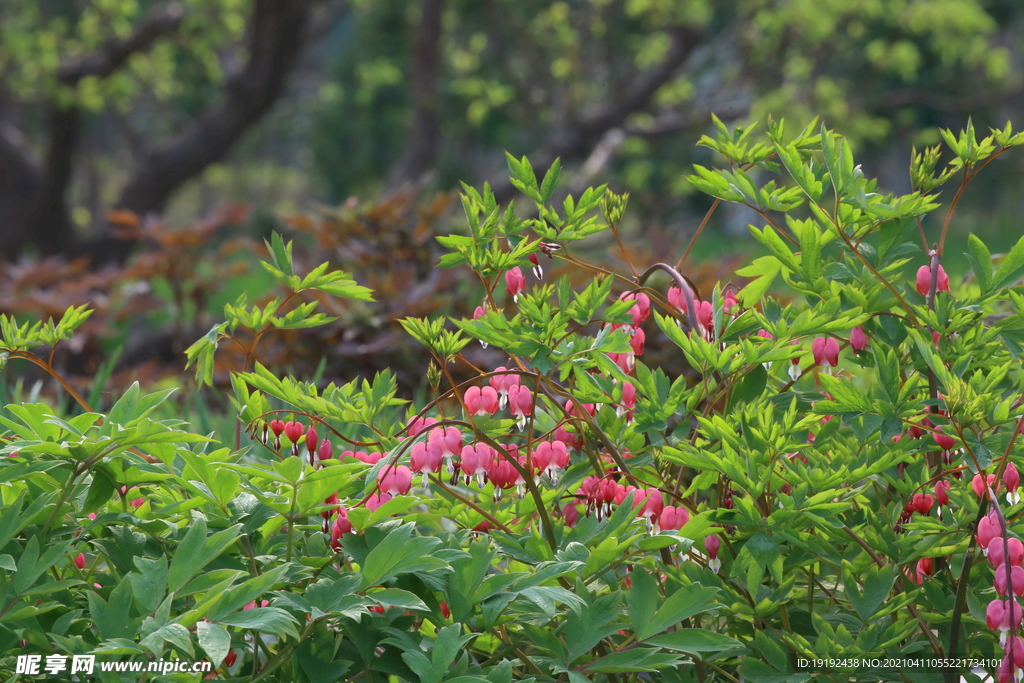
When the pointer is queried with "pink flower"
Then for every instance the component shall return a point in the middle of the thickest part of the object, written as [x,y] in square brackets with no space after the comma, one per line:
[252,605]
[941,491]
[643,306]
[980,484]
[637,342]
[764,334]
[476,460]
[924,280]
[326,450]
[333,500]
[395,480]
[479,312]
[376,500]
[418,424]
[80,560]
[571,514]
[481,401]
[425,458]
[826,351]
[1015,648]
[944,441]
[501,384]
[277,426]
[858,340]
[705,315]
[625,361]
[922,503]
[520,403]
[294,431]
[988,529]
[673,518]
[730,301]
[312,440]
[1016,579]
[341,526]
[677,298]
[1012,480]
[997,550]
[571,439]
[712,544]
[515,283]
[628,402]
[995,615]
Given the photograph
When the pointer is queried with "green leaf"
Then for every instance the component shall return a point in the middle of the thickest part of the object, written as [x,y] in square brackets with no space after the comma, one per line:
[981,261]
[1012,263]
[399,553]
[196,551]
[272,620]
[112,618]
[215,641]
[642,599]
[149,584]
[694,641]
[685,602]
[877,585]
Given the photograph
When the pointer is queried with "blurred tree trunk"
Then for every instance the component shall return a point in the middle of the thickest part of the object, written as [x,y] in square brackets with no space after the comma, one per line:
[33,212]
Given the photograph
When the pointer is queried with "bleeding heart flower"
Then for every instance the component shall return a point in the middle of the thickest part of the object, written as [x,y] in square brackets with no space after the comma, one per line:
[729,301]
[712,544]
[481,401]
[628,402]
[922,503]
[326,450]
[924,280]
[376,500]
[677,298]
[988,529]
[643,306]
[1016,578]
[825,351]
[80,560]
[252,605]
[475,461]
[980,484]
[445,612]
[520,402]
[570,439]
[312,440]
[673,518]
[425,458]
[277,426]
[637,342]
[997,550]
[571,514]
[944,441]
[942,491]
[1015,649]
[341,526]
[395,480]
[1012,480]
[515,283]
[858,340]
[294,431]
[230,658]
[538,272]
[418,424]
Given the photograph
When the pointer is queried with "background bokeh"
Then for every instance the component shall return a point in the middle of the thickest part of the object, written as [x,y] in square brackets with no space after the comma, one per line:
[147,148]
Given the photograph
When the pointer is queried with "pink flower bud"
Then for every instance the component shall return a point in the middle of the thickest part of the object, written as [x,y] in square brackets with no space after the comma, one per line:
[80,560]
[858,340]
[995,614]
[481,400]
[924,280]
[277,426]
[1011,477]
[326,450]
[942,491]
[643,305]
[637,342]
[312,439]
[712,544]
[944,441]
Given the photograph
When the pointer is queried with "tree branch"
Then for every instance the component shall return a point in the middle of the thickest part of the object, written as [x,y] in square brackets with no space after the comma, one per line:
[581,138]
[275,33]
[162,21]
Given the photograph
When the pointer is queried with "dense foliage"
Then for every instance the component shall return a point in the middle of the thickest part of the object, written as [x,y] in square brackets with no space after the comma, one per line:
[817,487]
